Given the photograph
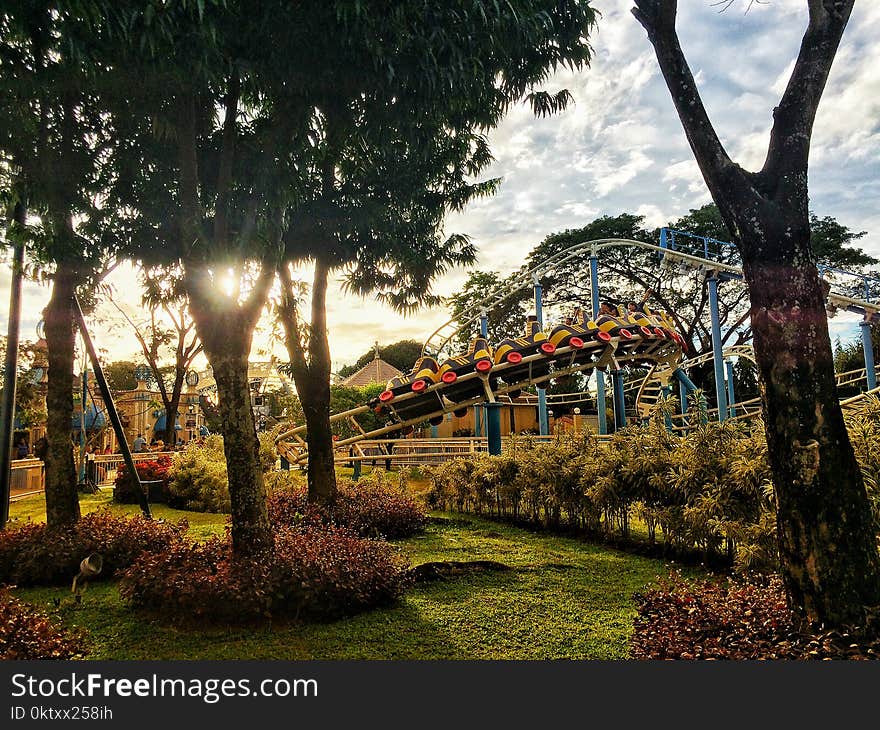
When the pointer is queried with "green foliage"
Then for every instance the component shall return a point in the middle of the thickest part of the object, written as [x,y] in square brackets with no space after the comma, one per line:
[198,478]
[505,320]
[564,598]
[120,375]
[709,492]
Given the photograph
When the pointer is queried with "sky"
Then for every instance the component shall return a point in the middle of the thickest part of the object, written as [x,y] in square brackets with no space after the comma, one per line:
[620,148]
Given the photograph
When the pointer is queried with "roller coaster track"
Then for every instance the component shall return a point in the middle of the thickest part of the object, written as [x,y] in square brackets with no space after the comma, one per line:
[662,359]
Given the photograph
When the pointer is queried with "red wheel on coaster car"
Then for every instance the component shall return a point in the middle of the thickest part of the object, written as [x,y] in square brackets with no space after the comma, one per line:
[483,366]
[548,348]
[419,385]
[449,377]
[603,336]
[626,334]
[386,396]
[514,357]
[646,331]
[659,332]
[576,342]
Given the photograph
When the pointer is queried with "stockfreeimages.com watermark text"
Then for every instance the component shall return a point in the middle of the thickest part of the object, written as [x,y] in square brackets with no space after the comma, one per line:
[94,685]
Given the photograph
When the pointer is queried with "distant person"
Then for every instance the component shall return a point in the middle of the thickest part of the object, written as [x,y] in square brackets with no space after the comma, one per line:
[41,448]
[139,444]
[22,451]
[634,307]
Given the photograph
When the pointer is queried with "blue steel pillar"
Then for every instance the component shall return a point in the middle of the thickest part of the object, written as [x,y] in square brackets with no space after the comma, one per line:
[543,418]
[868,347]
[600,377]
[493,423]
[731,397]
[665,394]
[480,419]
[619,404]
[717,354]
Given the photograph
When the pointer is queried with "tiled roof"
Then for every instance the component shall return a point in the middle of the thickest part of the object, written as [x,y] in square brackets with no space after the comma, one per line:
[375,371]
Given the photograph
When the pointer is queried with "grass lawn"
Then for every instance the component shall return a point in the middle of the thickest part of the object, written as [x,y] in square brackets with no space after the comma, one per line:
[563,598]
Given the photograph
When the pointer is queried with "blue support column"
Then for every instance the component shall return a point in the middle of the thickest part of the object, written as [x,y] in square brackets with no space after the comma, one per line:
[868,347]
[493,422]
[731,397]
[543,418]
[600,377]
[717,355]
[681,376]
[683,398]
[666,393]
[619,404]
[482,420]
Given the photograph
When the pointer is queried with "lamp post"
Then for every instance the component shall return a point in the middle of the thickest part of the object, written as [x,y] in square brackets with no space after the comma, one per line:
[577,419]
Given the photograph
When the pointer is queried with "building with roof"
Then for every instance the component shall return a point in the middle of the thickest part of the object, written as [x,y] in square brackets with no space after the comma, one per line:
[377,371]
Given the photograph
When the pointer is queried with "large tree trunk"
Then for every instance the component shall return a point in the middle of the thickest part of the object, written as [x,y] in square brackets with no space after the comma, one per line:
[62,501]
[312,379]
[251,531]
[827,543]
[319,437]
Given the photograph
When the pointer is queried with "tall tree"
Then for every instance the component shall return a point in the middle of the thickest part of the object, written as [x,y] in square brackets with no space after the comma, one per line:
[158,341]
[386,172]
[55,139]
[828,547]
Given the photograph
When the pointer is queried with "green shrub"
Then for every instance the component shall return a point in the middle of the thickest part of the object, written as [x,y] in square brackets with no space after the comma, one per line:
[26,633]
[198,478]
[312,573]
[36,555]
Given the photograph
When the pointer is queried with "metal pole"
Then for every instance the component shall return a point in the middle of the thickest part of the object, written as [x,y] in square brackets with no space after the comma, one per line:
[717,354]
[683,397]
[543,418]
[481,409]
[84,378]
[868,347]
[493,420]
[111,408]
[600,377]
[731,398]
[7,409]
[619,405]
[666,393]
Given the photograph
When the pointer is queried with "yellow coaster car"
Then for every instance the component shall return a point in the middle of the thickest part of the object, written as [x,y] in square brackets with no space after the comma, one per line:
[478,358]
[425,373]
[513,350]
